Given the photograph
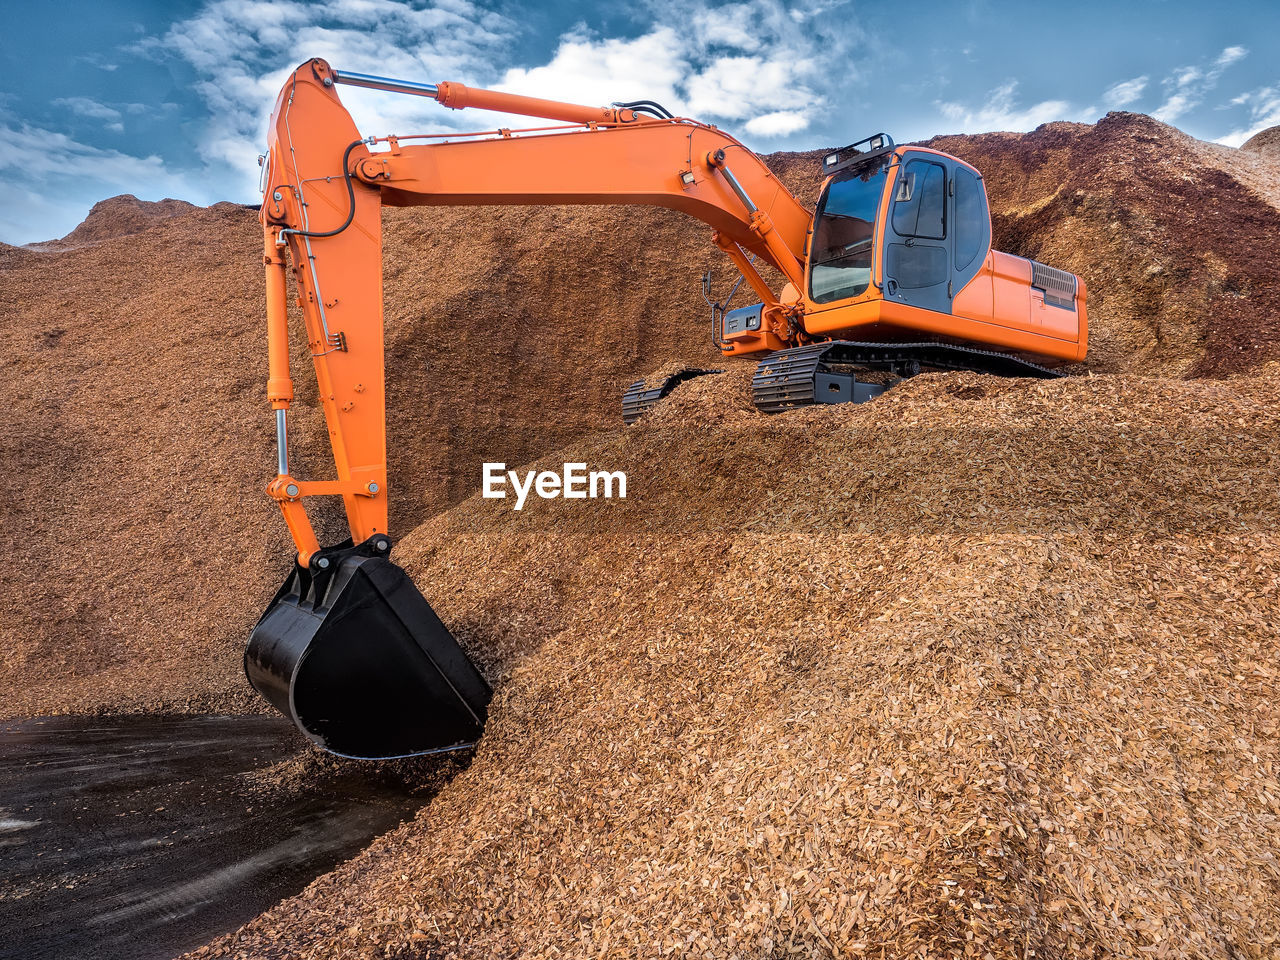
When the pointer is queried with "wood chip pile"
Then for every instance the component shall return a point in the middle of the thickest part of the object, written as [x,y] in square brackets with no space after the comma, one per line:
[984,668]
[1265,142]
[142,548]
[116,217]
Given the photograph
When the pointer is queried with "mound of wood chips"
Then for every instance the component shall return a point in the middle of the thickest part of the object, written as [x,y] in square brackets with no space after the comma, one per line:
[983,668]
[141,547]
[1265,141]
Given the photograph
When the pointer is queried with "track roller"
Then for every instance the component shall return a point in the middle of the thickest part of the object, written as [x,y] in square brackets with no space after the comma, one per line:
[819,372]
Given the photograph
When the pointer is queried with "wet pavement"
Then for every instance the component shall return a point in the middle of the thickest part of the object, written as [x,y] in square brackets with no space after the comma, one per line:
[143,837]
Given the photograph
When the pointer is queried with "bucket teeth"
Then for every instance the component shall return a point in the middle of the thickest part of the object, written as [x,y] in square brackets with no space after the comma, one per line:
[354,655]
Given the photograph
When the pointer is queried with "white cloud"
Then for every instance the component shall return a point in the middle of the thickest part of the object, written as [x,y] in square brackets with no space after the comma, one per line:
[749,62]
[243,50]
[46,200]
[1124,93]
[1185,87]
[1001,111]
[762,68]
[780,123]
[649,67]
[85,107]
[728,26]
[65,156]
[737,88]
[1230,55]
[1174,107]
[1264,111]
[96,60]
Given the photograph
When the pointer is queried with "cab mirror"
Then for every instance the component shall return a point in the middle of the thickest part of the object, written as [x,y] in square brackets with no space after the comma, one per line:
[906,186]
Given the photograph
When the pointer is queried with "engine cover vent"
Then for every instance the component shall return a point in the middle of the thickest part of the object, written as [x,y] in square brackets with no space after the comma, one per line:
[1059,286]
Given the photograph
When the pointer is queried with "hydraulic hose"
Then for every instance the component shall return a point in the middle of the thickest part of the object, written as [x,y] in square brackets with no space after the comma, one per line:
[647,106]
[351,201]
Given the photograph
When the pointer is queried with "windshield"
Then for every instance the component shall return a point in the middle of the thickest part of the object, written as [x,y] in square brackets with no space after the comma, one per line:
[840,258]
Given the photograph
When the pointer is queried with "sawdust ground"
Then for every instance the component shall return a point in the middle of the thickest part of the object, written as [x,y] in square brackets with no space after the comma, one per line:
[982,668]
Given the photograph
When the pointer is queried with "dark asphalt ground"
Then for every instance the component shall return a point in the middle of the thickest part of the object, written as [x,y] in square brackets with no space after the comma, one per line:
[143,837]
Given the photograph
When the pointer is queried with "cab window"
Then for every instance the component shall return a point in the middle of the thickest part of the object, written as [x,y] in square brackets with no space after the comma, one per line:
[920,207]
[844,230]
[971,215]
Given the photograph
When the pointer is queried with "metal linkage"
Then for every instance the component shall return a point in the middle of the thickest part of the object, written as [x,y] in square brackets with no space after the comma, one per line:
[737,188]
[282,442]
[372,82]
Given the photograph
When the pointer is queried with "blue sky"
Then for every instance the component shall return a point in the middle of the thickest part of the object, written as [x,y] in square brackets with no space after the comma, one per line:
[171,99]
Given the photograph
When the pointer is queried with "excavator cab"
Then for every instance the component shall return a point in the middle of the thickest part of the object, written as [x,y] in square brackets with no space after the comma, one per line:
[901,251]
[901,278]
[910,223]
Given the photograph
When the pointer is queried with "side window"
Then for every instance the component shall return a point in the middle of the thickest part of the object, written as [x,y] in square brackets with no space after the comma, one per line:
[971,213]
[920,208]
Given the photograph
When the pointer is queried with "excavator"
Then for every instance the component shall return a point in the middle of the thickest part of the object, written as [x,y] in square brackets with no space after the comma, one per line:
[891,274]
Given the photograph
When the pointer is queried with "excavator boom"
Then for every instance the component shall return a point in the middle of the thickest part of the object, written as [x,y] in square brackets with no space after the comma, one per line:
[349,649]
[326,186]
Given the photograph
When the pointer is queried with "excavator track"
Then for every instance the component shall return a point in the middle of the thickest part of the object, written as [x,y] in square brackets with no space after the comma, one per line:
[805,375]
[639,398]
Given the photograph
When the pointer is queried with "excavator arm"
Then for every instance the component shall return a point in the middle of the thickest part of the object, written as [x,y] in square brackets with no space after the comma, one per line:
[325,186]
[349,649]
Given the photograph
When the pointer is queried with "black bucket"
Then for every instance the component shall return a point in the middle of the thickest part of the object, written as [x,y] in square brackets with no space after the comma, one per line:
[354,655]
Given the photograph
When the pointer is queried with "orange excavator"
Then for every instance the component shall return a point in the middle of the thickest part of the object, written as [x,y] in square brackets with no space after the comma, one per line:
[891,274]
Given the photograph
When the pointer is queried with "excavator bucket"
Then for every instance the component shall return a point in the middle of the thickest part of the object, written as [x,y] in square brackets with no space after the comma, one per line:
[354,655]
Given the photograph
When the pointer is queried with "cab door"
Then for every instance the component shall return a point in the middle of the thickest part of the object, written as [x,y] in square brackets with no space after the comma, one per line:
[918,245]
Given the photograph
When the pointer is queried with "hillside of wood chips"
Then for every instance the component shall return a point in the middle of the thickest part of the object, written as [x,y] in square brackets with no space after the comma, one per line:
[118,217]
[983,668]
[141,547]
[1265,141]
